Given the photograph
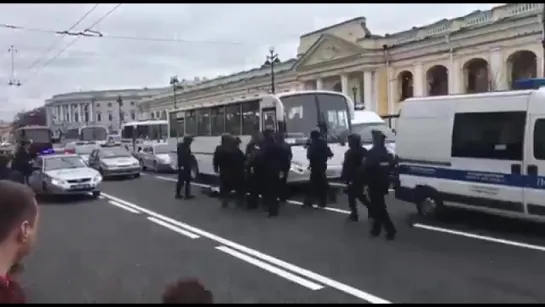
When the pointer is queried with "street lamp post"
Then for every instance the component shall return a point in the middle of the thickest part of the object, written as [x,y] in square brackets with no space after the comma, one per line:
[175,84]
[119,106]
[354,92]
[272,58]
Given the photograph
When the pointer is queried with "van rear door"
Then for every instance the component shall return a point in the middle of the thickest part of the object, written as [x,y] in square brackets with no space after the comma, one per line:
[534,168]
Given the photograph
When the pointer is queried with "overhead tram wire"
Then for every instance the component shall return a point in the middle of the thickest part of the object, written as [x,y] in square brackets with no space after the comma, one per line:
[73,42]
[132,38]
[39,59]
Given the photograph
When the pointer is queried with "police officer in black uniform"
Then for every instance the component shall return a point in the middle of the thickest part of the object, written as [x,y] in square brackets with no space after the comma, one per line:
[270,161]
[287,156]
[228,161]
[22,162]
[253,171]
[317,154]
[353,175]
[378,165]
[185,159]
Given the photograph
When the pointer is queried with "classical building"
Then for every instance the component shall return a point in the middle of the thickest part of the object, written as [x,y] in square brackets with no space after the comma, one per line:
[482,51]
[108,108]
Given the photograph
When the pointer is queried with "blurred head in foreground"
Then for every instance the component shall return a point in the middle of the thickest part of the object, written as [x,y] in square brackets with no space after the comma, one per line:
[187,291]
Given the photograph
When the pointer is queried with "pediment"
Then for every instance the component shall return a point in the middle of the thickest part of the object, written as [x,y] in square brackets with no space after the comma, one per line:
[328,48]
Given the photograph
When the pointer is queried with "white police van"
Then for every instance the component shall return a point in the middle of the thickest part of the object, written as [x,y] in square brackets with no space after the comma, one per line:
[483,152]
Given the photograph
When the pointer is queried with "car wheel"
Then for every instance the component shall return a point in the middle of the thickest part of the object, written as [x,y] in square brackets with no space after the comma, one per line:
[137,175]
[155,169]
[142,164]
[96,194]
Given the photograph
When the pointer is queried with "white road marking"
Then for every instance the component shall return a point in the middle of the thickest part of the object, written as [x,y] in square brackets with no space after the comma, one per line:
[480,237]
[287,266]
[267,267]
[174,228]
[174,180]
[294,202]
[131,210]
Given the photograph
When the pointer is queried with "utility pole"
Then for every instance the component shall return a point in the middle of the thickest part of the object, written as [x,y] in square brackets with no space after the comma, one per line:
[543,35]
[12,81]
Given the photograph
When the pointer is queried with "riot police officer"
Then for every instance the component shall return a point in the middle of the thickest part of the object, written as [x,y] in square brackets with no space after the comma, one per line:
[352,174]
[228,161]
[185,160]
[378,165]
[317,154]
[287,156]
[270,161]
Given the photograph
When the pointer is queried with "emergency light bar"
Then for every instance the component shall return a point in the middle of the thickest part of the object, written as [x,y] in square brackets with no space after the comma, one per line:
[48,151]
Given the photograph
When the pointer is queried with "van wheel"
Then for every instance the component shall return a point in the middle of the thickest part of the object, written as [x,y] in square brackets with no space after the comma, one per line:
[430,206]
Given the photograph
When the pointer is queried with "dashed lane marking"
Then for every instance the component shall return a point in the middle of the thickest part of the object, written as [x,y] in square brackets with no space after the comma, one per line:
[258,255]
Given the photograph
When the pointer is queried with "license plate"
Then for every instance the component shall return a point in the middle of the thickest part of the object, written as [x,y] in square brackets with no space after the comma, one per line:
[80,186]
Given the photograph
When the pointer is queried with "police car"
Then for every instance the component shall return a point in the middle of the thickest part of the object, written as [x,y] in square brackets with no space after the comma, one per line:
[482,152]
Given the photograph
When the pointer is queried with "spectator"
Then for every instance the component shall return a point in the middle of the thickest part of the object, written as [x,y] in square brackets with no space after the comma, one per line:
[187,291]
[18,224]
[4,167]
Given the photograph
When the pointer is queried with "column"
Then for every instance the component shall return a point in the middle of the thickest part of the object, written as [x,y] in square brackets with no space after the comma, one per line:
[418,85]
[319,84]
[70,113]
[375,89]
[454,73]
[539,63]
[91,112]
[497,80]
[368,100]
[344,85]
[392,88]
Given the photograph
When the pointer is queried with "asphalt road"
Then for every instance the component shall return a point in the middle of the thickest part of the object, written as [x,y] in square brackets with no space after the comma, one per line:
[127,246]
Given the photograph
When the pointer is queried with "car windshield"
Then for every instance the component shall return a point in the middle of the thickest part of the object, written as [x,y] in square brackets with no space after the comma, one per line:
[161,149]
[66,162]
[365,129]
[114,152]
[84,150]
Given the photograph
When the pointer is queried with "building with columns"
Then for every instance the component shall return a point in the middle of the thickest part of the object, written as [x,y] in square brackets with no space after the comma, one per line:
[107,108]
[482,51]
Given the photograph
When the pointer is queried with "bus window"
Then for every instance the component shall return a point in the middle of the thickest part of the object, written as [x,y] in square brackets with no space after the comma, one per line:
[250,117]
[232,119]
[217,117]
[191,123]
[203,122]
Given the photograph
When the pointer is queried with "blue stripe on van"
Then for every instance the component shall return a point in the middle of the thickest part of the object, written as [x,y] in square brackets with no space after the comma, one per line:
[473,176]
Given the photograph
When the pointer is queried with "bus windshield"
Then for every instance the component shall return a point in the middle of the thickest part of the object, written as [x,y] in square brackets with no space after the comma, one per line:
[365,129]
[307,112]
[36,135]
[93,134]
[71,134]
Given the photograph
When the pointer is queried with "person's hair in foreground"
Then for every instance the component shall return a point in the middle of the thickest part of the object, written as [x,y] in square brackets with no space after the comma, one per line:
[187,291]
[18,224]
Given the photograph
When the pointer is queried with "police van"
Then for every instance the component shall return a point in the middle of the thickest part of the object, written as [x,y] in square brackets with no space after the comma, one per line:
[482,152]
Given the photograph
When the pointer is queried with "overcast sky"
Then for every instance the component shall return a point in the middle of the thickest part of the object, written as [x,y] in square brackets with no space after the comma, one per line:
[212,39]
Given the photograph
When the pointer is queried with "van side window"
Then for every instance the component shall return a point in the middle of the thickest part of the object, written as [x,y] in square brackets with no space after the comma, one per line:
[491,135]
[539,139]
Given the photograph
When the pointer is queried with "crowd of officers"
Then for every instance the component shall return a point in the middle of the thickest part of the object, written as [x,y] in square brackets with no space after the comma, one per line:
[262,170]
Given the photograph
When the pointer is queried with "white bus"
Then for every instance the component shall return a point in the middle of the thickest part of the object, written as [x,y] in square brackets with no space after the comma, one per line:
[94,133]
[294,113]
[146,131]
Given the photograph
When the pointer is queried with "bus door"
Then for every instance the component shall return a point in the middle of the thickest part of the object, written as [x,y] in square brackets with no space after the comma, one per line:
[268,119]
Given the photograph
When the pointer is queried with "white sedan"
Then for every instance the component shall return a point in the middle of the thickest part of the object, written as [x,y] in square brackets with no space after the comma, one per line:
[65,174]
